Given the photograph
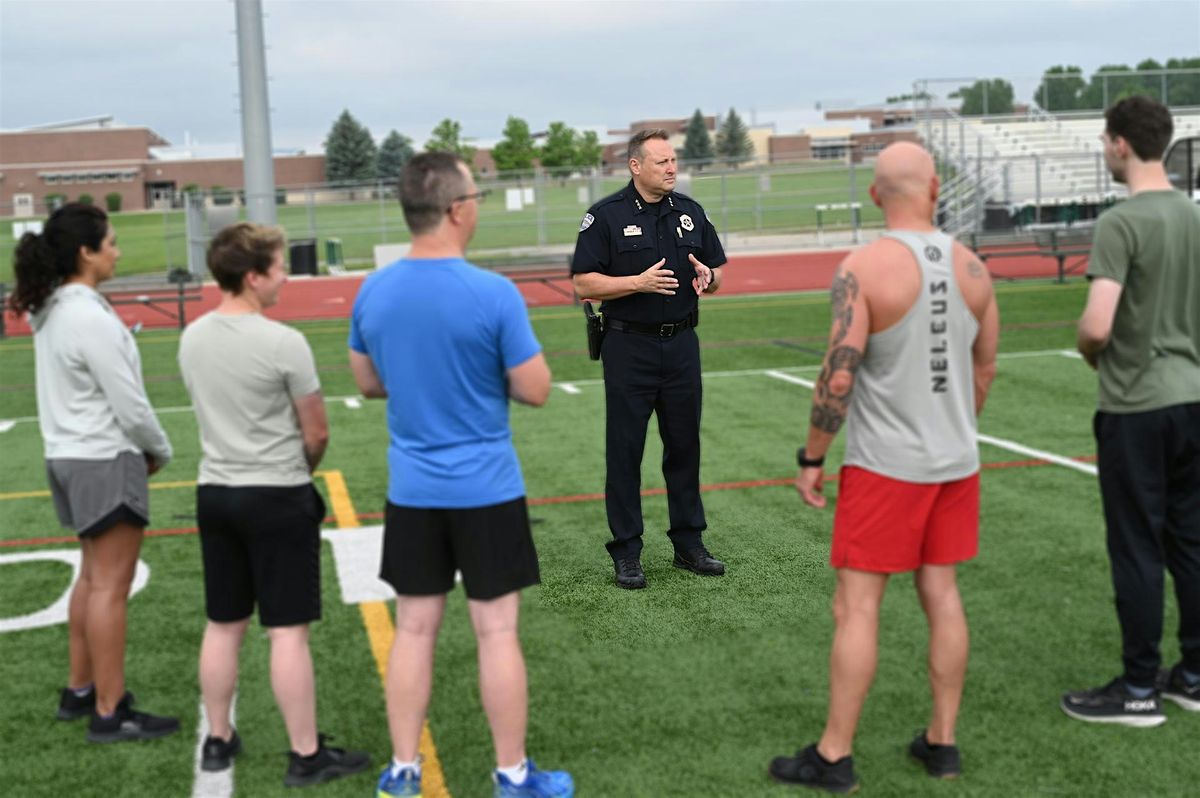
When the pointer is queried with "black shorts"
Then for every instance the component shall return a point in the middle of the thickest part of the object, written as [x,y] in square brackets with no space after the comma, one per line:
[261,543]
[491,546]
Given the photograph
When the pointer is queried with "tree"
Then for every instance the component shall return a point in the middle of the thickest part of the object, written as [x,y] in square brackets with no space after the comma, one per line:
[986,97]
[559,149]
[588,150]
[1183,89]
[733,141]
[697,144]
[515,151]
[1060,89]
[1105,88]
[910,96]
[447,137]
[394,152]
[349,151]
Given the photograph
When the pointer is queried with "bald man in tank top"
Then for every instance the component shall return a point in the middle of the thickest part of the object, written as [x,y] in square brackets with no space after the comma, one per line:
[912,353]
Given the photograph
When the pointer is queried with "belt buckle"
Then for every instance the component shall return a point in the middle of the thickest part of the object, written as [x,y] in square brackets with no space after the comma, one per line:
[666,330]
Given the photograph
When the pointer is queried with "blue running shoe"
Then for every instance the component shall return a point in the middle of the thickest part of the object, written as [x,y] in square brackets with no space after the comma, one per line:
[538,784]
[406,784]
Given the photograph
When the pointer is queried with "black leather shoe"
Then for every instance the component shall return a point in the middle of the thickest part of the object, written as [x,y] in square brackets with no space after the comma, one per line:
[699,561]
[629,573]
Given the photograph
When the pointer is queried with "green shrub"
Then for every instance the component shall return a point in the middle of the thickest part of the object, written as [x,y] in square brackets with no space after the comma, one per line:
[191,188]
[53,201]
[221,195]
[86,199]
[112,201]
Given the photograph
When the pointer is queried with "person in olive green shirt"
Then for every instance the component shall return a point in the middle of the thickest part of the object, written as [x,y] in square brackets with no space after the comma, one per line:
[1141,332]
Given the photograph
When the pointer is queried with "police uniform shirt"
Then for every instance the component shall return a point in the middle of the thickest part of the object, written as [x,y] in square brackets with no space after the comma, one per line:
[623,235]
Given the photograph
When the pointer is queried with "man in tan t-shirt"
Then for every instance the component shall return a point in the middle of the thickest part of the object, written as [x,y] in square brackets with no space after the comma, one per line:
[262,430]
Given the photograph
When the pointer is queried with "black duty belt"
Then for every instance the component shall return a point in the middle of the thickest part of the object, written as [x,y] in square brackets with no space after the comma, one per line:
[660,330]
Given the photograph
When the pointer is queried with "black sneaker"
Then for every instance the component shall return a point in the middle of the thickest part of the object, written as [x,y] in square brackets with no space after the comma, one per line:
[73,707]
[1113,703]
[128,724]
[217,754]
[940,761]
[808,768]
[699,561]
[629,573]
[326,764]
[1173,687]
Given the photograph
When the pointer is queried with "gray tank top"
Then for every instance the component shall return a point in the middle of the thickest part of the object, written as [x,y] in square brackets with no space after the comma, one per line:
[912,414]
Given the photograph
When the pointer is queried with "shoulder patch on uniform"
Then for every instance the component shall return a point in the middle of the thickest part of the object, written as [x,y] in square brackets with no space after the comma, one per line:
[587,222]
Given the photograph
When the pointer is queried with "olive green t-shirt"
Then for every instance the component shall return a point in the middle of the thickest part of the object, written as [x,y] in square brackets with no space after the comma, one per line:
[1150,244]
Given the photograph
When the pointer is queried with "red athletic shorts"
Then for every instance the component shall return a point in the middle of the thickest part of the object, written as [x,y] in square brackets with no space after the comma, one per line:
[887,525]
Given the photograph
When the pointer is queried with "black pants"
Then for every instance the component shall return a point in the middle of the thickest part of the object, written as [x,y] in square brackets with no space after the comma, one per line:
[1150,485]
[644,373]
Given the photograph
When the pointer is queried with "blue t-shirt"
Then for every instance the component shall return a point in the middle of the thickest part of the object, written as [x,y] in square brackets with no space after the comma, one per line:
[442,334]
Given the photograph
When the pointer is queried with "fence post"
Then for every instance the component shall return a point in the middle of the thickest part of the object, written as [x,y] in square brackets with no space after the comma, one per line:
[854,224]
[3,306]
[539,199]
[724,209]
[1037,187]
[382,212]
[310,202]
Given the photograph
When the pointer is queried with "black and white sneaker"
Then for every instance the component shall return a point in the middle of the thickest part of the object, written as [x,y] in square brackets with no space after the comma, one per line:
[808,768]
[326,764]
[217,754]
[1113,703]
[940,761]
[128,724]
[74,707]
[1173,687]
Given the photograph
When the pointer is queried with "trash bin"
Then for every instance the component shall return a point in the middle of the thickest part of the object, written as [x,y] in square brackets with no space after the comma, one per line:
[302,254]
[333,253]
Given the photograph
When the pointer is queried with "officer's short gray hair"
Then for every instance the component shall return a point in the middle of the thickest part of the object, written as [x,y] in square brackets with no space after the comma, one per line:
[636,150]
[429,184]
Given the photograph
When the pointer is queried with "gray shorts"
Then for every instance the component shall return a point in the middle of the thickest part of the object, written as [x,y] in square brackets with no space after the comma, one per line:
[93,495]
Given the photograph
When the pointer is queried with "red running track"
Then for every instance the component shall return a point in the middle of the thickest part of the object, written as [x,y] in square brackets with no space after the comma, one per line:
[310,298]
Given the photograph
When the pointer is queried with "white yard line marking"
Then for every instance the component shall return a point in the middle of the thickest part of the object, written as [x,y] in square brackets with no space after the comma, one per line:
[205,784]
[779,375]
[1050,457]
[568,387]
[583,383]
[1071,354]
[352,403]
[6,425]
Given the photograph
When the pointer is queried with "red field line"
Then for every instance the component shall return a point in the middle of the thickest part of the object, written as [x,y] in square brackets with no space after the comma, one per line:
[311,298]
[543,500]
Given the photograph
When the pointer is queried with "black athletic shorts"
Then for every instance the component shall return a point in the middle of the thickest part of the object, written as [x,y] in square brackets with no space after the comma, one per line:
[491,546]
[261,544]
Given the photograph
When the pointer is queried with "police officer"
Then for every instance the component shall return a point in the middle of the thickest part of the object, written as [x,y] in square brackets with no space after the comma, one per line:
[648,253]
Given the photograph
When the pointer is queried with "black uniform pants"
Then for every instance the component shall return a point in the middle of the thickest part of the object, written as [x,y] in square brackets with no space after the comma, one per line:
[1150,486]
[644,373]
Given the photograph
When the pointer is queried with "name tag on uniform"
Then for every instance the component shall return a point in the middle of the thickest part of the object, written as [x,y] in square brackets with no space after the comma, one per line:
[633,230]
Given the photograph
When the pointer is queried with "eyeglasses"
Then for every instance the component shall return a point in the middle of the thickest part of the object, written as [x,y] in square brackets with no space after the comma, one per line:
[479,196]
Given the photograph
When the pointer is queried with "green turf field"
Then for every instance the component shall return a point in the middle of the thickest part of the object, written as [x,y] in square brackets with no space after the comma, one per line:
[687,688]
[153,241]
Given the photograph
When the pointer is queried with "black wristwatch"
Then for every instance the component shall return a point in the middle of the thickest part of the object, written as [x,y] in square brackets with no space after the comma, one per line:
[806,462]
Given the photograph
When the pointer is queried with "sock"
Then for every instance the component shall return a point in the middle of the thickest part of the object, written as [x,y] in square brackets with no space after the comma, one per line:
[516,774]
[82,692]
[1139,692]
[1189,678]
[398,766]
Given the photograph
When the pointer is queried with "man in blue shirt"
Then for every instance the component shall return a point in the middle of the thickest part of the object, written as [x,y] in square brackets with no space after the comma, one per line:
[448,344]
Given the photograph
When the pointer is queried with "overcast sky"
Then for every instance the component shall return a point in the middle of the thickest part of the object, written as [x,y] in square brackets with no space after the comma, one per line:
[170,65]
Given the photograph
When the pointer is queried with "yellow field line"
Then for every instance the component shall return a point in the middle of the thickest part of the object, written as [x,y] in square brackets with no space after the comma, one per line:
[381,632]
[39,494]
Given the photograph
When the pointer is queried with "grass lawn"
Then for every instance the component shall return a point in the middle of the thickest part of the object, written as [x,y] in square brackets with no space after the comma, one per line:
[687,688]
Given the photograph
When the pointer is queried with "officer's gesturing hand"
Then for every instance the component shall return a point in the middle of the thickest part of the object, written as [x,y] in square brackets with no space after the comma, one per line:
[657,280]
[706,280]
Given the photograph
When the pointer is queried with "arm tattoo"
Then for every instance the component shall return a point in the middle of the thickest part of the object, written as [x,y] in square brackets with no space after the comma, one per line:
[830,407]
[842,294]
[975,268]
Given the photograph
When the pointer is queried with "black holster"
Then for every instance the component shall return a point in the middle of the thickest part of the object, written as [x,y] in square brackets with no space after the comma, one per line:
[595,330]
